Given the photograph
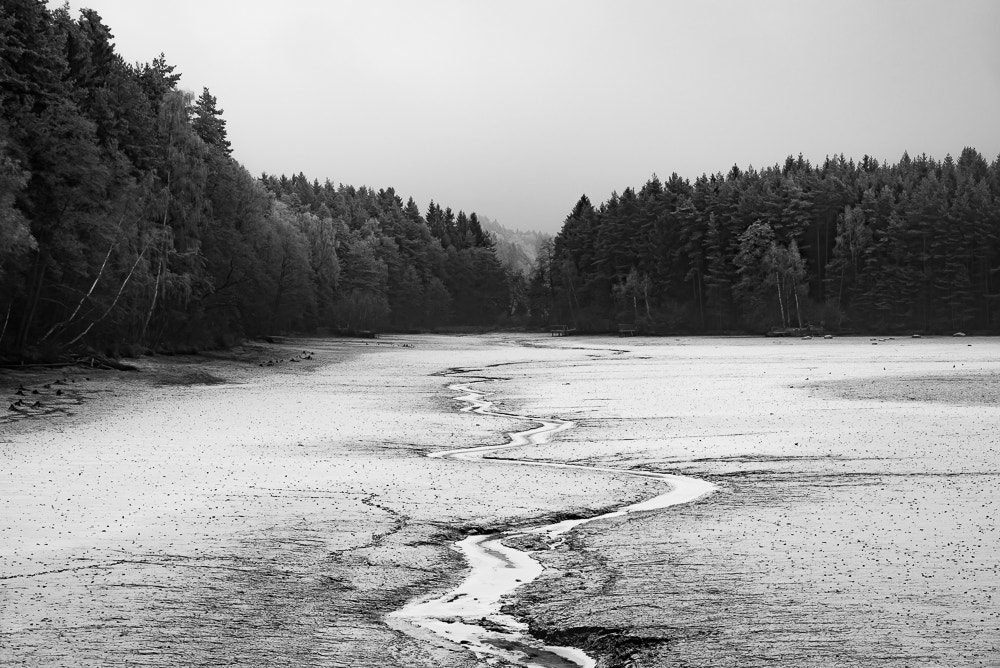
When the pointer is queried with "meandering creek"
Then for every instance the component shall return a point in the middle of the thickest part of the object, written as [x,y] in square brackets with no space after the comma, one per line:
[470,614]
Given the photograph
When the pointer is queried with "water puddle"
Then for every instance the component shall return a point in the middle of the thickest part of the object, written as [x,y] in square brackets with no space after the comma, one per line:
[469,615]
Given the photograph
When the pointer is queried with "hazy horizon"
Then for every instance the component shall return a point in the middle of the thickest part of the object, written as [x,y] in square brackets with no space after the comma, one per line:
[514,110]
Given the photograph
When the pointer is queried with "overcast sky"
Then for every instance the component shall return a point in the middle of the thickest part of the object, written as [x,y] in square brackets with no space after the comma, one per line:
[515,108]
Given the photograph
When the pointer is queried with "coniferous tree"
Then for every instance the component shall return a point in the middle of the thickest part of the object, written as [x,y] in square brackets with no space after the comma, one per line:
[864,245]
[125,222]
[208,122]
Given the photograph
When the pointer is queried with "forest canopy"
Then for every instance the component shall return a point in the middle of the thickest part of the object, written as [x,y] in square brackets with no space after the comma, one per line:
[126,224]
[842,246]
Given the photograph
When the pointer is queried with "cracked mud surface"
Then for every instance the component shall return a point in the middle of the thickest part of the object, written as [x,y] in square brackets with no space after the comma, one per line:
[209,511]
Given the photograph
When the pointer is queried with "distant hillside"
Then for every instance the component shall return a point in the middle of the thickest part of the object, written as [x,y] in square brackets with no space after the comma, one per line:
[515,249]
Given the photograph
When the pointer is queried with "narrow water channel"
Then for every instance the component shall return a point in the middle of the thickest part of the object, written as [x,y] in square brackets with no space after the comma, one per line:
[469,614]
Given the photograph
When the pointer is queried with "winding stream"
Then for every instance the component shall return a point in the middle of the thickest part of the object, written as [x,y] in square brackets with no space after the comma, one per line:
[470,615]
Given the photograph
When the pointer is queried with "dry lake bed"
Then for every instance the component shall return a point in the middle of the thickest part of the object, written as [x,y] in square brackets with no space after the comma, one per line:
[248,509]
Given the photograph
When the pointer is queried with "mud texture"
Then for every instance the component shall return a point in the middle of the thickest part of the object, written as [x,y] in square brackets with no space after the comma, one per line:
[251,510]
[275,517]
[851,528]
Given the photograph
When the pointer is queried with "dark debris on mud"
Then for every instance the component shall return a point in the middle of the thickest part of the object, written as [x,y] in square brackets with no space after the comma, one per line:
[618,648]
[960,388]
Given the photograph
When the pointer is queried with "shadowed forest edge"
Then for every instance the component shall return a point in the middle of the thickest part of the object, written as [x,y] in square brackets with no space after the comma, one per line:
[126,226]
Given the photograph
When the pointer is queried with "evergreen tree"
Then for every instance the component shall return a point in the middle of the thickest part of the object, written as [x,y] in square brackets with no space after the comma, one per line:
[208,122]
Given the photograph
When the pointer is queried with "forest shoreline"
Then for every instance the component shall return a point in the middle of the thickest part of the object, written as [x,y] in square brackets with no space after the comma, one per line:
[86,377]
[119,360]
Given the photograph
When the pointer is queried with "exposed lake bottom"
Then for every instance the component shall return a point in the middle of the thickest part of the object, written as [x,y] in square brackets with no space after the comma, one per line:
[470,614]
[284,515]
[851,532]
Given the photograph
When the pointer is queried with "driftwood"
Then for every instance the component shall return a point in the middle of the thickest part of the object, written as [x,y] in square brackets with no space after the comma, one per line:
[90,360]
[101,362]
[37,365]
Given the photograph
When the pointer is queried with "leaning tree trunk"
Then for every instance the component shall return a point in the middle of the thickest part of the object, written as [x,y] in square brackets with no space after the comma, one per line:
[781,302]
[160,268]
[6,320]
[798,312]
[41,264]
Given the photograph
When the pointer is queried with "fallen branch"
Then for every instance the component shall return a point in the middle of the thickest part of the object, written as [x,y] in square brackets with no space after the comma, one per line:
[101,362]
[39,365]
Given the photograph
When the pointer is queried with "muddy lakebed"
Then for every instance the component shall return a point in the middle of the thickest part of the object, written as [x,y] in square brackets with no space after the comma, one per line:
[210,510]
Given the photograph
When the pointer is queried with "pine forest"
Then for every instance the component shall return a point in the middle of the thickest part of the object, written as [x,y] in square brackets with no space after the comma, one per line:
[840,247]
[126,226]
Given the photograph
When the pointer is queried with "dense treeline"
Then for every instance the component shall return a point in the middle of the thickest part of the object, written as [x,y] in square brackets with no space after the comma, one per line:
[125,223]
[846,246]
[377,262]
